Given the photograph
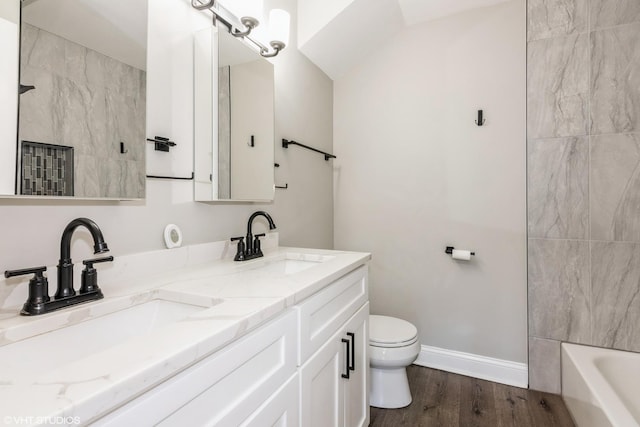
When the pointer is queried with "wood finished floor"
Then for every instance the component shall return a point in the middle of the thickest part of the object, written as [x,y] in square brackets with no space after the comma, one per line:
[443,399]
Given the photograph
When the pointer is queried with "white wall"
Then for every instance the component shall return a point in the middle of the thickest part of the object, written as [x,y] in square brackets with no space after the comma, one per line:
[31,230]
[313,15]
[415,174]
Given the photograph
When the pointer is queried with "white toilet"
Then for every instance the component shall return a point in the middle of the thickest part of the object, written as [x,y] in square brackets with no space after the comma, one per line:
[393,345]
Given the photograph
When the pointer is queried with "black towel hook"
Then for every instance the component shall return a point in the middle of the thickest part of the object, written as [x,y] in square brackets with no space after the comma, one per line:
[480,121]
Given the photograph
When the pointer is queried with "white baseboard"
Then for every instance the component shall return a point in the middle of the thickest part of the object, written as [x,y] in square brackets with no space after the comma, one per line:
[473,365]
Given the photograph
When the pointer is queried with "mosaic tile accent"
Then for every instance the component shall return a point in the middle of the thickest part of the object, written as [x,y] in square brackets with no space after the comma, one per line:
[47,169]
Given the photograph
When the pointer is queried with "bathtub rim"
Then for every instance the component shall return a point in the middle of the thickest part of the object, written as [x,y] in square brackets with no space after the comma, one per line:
[583,358]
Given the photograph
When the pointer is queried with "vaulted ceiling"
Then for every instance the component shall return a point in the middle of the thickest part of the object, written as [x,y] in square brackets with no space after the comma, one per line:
[116,28]
[337,35]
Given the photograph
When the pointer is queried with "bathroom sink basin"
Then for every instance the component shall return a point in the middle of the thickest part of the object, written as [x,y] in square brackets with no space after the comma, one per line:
[294,263]
[42,353]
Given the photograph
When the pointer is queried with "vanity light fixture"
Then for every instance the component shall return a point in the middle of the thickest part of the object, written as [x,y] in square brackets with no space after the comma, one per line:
[279,21]
[279,31]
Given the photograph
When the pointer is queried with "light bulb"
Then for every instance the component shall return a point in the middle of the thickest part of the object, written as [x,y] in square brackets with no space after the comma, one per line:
[279,25]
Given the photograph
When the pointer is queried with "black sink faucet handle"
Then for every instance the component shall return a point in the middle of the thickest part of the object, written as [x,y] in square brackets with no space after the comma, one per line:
[256,244]
[89,281]
[35,270]
[89,262]
[38,289]
[240,252]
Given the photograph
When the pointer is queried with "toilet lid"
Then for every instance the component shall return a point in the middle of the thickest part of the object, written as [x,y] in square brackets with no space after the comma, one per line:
[385,331]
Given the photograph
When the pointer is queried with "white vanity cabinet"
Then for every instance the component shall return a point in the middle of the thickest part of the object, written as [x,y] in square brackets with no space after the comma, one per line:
[334,354]
[228,388]
[307,367]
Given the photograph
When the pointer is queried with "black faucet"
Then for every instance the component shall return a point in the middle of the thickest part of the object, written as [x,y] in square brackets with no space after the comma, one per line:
[252,249]
[39,301]
[65,266]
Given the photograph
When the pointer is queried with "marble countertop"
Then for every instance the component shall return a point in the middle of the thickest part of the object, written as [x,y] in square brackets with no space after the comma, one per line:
[235,298]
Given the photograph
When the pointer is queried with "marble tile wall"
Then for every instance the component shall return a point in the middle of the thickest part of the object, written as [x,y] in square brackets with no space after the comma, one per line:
[224,132]
[583,179]
[90,102]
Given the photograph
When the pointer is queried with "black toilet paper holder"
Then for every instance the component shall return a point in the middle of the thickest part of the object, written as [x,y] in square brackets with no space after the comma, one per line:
[449,250]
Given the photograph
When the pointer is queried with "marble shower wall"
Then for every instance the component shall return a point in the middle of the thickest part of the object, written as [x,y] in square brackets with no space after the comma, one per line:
[224,132]
[583,148]
[90,102]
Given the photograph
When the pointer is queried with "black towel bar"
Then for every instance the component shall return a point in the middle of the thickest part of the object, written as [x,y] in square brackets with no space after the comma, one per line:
[327,156]
[170,177]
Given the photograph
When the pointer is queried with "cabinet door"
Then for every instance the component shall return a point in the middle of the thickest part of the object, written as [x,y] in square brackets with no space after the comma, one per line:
[281,410]
[356,388]
[321,389]
[322,315]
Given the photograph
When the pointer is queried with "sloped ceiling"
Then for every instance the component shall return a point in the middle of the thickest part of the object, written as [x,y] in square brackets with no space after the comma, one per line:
[349,33]
[116,28]
[417,11]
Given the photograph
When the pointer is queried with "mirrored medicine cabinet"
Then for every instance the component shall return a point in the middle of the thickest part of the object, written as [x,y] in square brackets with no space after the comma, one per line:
[234,119]
[73,98]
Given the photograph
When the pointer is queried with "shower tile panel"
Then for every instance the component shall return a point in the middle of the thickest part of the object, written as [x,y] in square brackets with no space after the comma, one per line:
[615,187]
[609,13]
[616,295]
[558,188]
[615,80]
[553,18]
[544,365]
[584,85]
[88,101]
[559,297]
[47,170]
[557,87]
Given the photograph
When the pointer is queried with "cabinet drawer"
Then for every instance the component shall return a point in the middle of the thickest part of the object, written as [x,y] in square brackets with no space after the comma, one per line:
[281,410]
[322,314]
[227,385]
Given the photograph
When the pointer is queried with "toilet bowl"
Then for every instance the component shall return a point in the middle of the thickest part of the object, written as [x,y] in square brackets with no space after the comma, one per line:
[393,345]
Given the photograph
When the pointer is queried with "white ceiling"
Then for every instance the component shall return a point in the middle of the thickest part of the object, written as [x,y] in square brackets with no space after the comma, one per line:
[417,11]
[116,28]
[355,30]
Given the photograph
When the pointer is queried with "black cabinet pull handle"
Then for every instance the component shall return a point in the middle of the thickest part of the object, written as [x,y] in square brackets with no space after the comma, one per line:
[346,359]
[352,365]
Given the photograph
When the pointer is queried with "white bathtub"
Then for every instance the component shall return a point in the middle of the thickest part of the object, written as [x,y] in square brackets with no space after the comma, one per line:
[601,387]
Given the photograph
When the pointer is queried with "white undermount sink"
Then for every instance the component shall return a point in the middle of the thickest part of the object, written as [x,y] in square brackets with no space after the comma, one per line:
[42,353]
[294,263]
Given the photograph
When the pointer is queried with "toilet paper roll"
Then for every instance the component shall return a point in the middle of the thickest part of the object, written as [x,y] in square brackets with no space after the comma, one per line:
[461,255]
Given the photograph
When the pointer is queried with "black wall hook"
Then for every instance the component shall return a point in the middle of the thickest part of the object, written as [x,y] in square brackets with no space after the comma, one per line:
[480,121]
[25,88]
